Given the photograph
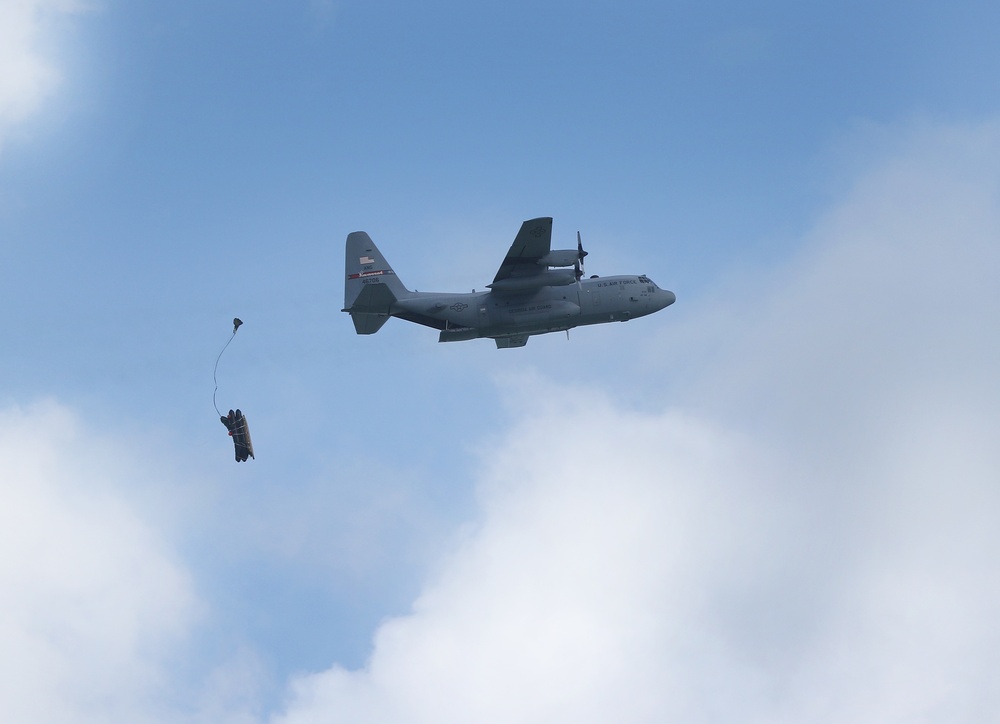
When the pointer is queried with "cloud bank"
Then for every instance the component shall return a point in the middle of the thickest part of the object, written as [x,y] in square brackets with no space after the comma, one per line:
[808,536]
[805,533]
[93,600]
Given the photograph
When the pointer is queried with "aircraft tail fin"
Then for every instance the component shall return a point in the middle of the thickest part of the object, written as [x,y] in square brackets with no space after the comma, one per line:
[370,285]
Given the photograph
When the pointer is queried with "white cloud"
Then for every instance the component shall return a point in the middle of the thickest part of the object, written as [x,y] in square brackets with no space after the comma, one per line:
[817,544]
[558,606]
[809,535]
[27,76]
[93,601]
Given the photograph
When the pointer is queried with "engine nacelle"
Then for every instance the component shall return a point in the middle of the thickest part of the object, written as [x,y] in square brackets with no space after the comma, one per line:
[535,281]
[560,257]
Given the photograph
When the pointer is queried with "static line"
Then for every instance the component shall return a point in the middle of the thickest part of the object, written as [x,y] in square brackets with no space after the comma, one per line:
[215,371]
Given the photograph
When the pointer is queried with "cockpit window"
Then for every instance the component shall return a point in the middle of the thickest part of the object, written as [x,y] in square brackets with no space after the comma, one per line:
[644,279]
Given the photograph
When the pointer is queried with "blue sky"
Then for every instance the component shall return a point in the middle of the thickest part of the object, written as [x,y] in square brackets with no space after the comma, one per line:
[772,501]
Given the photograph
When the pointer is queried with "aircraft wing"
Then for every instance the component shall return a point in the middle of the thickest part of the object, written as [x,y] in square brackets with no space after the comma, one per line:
[532,242]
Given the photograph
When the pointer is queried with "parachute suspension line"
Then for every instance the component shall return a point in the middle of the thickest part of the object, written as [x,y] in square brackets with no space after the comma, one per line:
[236,325]
[215,372]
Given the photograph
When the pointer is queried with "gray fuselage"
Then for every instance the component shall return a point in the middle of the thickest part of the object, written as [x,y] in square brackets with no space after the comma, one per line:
[546,309]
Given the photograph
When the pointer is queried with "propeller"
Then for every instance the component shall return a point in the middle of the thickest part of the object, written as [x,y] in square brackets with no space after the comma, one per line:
[580,253]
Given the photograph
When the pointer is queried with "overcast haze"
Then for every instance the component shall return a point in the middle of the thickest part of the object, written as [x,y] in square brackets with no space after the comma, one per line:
[774,501]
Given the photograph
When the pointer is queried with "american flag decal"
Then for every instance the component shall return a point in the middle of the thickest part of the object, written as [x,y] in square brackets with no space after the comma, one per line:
[366,260]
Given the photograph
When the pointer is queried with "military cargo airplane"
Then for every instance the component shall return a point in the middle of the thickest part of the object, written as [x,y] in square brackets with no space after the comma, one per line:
[527,295]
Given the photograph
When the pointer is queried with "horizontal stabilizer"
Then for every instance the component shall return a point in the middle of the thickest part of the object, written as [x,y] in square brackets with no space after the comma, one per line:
[373,299]
[371,308]
[368,323]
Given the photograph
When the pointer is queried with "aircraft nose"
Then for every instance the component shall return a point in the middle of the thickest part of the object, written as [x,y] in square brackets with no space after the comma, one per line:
[667,298]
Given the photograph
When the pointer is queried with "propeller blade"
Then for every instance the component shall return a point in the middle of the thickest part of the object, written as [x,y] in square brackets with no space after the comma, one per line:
[580,253]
